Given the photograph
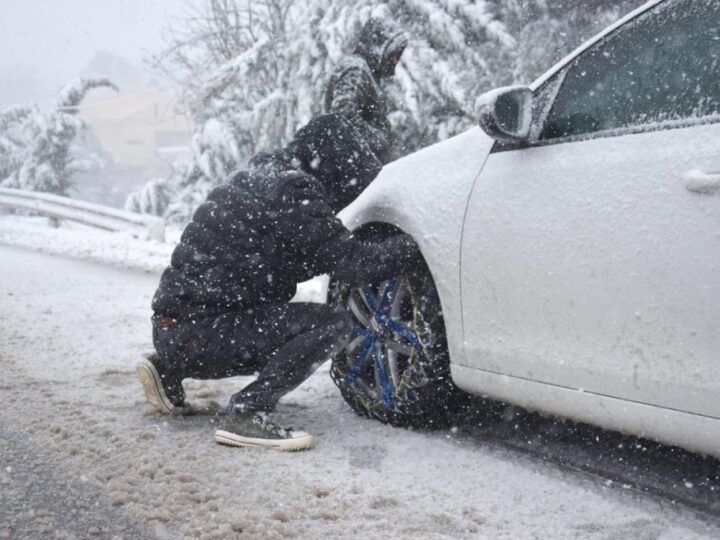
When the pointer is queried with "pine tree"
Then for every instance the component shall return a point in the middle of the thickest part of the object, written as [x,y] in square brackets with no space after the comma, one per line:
[154,198]
[547,30]
[13,139]
[254,71]
[270,61]
[45,161]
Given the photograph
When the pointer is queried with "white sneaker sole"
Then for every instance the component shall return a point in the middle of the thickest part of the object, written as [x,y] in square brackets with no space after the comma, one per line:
[154,393]
[299,441]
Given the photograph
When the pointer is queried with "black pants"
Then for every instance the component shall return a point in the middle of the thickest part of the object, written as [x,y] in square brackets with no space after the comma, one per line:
[283,343]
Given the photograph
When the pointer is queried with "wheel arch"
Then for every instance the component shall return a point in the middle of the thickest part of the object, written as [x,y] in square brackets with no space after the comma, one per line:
[449,301]
[425,195]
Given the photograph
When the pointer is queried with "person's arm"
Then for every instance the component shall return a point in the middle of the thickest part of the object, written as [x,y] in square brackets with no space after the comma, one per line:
[348,91]
[328,247]
[356,262]
[350,97]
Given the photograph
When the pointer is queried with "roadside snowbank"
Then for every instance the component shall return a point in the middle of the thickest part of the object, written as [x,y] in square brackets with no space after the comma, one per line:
[87,243]
[111,248]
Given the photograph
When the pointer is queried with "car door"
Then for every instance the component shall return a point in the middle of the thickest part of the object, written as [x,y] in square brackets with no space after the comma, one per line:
[591,256]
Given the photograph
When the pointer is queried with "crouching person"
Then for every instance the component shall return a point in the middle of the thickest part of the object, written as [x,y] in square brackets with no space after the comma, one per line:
[222,310]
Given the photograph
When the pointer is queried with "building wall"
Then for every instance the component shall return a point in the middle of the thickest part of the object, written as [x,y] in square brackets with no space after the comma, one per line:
[136,126]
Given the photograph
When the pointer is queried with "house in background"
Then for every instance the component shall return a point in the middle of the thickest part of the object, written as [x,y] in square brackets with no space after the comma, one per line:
[145,132]
[142,129]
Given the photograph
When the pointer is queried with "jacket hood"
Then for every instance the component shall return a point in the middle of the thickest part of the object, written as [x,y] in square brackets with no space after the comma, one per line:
[274,163]
[380,43]
[331,150]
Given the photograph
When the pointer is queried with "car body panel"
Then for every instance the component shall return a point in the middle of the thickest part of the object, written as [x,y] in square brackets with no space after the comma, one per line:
[590,265]
[425,195]
[692,431]
[585,276]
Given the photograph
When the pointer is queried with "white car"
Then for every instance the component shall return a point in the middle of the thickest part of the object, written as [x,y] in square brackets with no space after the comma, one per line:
[572,245]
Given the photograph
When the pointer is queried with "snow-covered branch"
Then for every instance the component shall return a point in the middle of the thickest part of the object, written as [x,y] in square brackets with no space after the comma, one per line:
[36,146]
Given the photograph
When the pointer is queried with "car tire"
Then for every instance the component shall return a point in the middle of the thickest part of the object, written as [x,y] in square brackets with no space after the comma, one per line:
[396,368]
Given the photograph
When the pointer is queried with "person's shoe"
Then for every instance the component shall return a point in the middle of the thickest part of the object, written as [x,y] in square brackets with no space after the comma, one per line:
[254,430]
[162,391]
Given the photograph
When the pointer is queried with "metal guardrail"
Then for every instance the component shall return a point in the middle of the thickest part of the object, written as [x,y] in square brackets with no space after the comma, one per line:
[95,215]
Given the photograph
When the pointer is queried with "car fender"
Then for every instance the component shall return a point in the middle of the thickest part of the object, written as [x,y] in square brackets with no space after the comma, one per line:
[425,194]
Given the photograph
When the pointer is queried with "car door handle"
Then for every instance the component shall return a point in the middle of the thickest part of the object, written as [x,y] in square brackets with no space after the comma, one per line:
[701,182]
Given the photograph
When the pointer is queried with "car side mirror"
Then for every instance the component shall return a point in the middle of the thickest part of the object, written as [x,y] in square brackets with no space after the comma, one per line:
[506,113]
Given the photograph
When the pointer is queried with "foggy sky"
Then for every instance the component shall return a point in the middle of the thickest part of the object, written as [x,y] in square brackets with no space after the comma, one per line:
[44,43]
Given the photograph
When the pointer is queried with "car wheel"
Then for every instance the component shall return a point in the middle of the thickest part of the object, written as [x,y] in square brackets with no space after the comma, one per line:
[395,368]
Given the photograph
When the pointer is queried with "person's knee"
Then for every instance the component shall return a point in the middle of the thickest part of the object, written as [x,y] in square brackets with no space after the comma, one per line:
[335,321]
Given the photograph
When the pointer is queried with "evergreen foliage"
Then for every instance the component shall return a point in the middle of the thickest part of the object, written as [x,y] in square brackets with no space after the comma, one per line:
[253,72]
[13,139]
[39,143]
[154,198]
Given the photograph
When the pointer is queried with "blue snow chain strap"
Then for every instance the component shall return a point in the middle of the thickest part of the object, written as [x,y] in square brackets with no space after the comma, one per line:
[372,344]
[387,321]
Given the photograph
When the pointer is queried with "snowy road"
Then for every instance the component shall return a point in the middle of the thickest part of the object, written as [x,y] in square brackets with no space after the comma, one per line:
[82,454]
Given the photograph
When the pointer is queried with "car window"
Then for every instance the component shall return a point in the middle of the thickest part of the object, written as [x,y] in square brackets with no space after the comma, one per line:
[664,66]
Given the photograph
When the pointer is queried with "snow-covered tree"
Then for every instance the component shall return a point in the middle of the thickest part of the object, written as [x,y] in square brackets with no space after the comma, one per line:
[154,198]
[13,139]
[547,30]
[42,157]
[254,71]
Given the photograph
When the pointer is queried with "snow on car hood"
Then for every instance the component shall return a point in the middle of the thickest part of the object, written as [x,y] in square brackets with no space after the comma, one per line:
[434,179]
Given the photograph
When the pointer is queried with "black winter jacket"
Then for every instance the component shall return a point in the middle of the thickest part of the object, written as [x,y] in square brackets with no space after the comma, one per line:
[259,235]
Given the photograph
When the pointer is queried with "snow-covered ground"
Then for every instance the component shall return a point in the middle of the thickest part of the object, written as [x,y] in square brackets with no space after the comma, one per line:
[86,243]
[120,250]
[101,461]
